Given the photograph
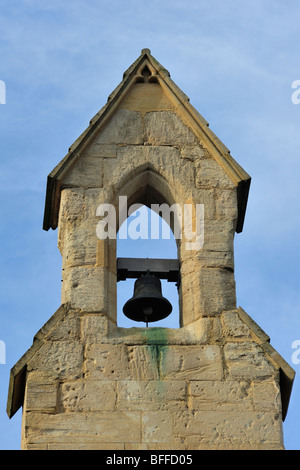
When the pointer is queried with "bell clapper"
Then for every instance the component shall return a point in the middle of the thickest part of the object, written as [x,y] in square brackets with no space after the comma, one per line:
[147,311]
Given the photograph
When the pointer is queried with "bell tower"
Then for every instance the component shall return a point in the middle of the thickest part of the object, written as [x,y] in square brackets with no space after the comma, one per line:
[85,383]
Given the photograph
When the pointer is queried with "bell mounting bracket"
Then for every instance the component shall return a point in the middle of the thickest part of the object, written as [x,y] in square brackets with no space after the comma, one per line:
[133,268]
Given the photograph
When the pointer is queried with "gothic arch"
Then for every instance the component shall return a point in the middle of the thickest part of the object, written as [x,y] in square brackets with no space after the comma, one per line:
[146,186]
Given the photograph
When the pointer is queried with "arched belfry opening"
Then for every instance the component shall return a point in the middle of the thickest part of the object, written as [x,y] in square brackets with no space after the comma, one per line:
[92,381]
[146,245]
[146,237]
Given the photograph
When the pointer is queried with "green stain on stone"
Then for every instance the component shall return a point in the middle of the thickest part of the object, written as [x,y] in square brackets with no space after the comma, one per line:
[157,336]
[157,345]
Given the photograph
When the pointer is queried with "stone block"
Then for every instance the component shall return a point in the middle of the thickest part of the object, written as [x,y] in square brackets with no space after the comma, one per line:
[218,235]
[166,128]
[157,426]
[154,395]
[190,363]
[102,151]
[60,359]
[210,174]
[226,204]
[128,162]
[247,360]
[72,205]
[93,198]
[233,326]
[84,288]
[71,212]
[86,172]
[88,395]
[266,396]
[41,393]
[197,299]
[90,428]
[67,329]
[229,430]
[119,362]
[194,153]
[224,396]
[94,328]
[80,246]
[125,127]
[216,259]
[107,362]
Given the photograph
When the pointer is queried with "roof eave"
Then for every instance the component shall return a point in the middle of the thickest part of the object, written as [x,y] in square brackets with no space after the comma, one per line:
[286,372]
[18,373]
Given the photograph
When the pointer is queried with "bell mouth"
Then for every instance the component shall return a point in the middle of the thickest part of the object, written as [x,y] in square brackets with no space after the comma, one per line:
[147,309]
[147,303]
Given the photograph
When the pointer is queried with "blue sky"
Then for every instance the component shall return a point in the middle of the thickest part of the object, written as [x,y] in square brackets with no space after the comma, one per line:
[235,60]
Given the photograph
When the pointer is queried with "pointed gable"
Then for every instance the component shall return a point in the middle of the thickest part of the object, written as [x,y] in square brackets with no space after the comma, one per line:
[139,114]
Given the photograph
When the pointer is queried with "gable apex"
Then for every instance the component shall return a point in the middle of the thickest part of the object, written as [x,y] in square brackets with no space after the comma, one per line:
[147,69]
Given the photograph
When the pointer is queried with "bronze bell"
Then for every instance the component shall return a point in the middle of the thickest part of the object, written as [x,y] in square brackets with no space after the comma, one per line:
[147,303]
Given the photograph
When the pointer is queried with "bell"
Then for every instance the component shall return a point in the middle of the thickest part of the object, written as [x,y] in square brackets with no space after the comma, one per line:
[147,303]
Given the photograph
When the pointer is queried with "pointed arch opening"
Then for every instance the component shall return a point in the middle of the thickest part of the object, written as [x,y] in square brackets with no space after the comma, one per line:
[148,236]
[147,233]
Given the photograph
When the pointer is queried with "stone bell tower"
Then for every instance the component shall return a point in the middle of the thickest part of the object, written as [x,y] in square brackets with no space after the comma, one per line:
[85,383]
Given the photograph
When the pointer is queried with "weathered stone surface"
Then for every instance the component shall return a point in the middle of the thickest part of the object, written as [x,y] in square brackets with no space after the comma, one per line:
[157,426]
[233,326]
[154,395]
[143,97]
[210,174]
[266,396]
[194,153]
[125,127]
[119,362]
[86,173]
[67,329]
[133,160]
[218,235]
[84,288]
[72,428]
[190,362]
[223,430]
[61,359]
[72,205]
[102,150]
[94,327]
[224,396]
[226,204]
[41,393]
[166,128]
[247,360]
[107,362]
[197,300]
[88,395]
[80,245]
